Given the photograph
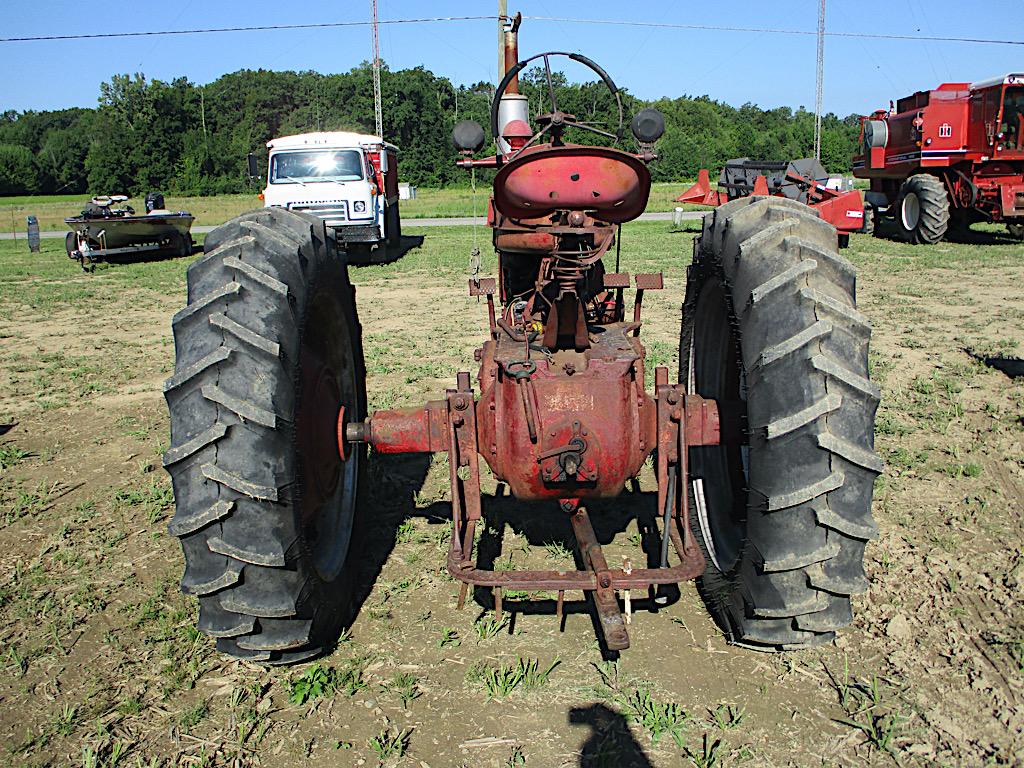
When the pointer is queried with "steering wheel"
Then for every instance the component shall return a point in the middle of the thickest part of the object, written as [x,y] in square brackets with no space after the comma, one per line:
[556,121]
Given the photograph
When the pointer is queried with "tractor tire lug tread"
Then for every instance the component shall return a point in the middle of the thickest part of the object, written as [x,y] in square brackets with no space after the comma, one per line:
[811,407]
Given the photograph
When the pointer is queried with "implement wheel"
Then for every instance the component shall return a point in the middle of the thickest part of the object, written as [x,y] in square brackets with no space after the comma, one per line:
[782,515]
[268,352]
[922,209]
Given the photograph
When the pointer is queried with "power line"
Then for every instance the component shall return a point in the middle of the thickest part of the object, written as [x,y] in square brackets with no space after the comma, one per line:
[264,28]
[806,32]
[614,22]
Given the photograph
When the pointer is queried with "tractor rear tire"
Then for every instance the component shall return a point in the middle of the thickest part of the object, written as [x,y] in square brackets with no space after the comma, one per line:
[922,209]
[267,352]
[770,323]
[71,244]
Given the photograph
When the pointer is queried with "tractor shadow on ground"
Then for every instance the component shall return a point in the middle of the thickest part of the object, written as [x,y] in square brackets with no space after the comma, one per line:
[610,741]
[544,525]
[389,498]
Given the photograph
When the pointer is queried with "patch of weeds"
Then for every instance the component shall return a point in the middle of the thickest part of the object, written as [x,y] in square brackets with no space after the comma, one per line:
[516,759]
[406,686]
[657,718]
[709,756]
[502,680]
[887,424]
[31,502]
[391,743]
[64,723]
[155,500]
[956,470]
[901,459]
[725,717]
[316,682]
[871,712]
[556,550]
[487,627]
[10,454]
[190,718]
[449,638]
[405,531]
[130,706]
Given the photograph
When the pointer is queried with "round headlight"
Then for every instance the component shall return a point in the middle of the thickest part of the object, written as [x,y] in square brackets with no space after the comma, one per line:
[359,206]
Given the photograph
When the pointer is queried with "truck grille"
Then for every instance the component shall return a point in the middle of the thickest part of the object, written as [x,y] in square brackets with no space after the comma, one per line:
[334,212]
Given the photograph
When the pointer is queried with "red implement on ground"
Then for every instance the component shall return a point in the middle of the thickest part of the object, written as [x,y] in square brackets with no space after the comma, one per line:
[947,158]
[803,180]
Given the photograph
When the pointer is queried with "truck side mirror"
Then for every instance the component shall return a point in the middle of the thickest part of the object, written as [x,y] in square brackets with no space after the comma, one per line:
[383,160]
[468,136]
[253,170]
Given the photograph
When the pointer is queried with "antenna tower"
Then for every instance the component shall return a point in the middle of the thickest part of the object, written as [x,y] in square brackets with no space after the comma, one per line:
[819,86]
[377,109]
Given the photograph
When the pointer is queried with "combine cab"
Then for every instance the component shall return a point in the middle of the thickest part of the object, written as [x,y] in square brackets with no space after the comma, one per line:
[762,445]
[947,158]
[805,181]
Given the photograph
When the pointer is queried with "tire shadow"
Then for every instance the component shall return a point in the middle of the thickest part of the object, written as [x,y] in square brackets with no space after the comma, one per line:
[610,742]
[391,484]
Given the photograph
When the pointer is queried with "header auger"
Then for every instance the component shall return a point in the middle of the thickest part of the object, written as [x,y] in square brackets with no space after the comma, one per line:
[762,446]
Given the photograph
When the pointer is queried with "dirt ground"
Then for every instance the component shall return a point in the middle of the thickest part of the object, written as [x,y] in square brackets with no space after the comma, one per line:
[101,665]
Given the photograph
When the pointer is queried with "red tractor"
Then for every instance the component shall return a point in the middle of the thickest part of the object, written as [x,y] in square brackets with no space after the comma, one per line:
[762,446]
[948,158]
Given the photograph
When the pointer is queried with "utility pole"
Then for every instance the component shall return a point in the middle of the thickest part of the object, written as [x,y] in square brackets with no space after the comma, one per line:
[820,85]
[502,14]
[377,108]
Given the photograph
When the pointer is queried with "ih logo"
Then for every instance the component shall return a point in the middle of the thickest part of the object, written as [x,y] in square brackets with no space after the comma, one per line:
[945,131]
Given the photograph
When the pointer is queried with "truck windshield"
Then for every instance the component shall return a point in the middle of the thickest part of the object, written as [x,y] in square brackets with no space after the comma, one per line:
[316,165]
[1012,126]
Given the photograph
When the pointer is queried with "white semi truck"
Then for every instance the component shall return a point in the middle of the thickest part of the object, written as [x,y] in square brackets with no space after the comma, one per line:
[350,180]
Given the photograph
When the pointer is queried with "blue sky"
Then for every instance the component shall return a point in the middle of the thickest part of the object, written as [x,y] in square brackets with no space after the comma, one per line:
[766,69]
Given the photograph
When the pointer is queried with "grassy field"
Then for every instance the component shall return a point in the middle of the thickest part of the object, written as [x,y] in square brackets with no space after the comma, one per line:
[101,665]
[51,210]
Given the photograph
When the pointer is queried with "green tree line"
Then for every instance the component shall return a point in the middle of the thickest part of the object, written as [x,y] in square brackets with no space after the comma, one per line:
[190,139]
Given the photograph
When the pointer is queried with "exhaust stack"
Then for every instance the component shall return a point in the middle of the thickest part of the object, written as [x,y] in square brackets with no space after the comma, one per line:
[513,105]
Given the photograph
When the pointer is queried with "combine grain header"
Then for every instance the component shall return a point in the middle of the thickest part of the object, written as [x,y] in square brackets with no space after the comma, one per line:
[761,447]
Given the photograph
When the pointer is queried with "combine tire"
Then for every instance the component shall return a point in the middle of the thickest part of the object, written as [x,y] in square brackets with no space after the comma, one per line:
[922,209]
[770,324]
[268,350]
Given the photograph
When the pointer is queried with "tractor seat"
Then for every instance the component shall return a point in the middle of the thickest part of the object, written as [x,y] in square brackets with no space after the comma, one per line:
[609,184]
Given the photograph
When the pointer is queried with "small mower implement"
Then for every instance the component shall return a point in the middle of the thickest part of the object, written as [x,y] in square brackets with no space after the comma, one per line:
[805,181]
[761,446]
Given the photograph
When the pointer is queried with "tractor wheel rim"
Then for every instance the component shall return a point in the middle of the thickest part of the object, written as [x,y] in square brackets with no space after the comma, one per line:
[328,487]
[714,371]
[910,211]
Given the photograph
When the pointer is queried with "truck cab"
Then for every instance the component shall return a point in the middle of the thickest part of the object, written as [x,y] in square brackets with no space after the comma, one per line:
[350,180]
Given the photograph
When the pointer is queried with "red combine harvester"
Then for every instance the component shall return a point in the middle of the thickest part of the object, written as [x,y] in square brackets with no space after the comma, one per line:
[948,157]
[805,181]
[762,447]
